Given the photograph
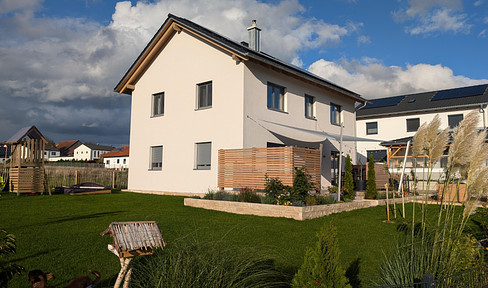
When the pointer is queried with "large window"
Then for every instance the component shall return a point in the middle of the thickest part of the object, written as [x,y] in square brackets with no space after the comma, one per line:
[156,158]
[413,124]
[203,155]
[454,120]
[309,106]
[204,95]
[371,128]
[157,104]
[335,114]
[334,167]
[276,97]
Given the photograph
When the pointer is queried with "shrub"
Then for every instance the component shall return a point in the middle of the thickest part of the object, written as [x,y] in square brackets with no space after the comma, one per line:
[188,264]
[302,185]
[274,187]
[348,192]
[321,266]
[332,189]
[248,195]
[311,200]
[8,246]
[371,190]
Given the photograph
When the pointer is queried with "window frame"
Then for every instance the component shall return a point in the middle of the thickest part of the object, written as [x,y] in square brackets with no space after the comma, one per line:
[310,106]
[410,120]
[154,98]
[271,88]
[202,166]
[152,167]
[208,95]
[335,114]
[375,129]
[450,117]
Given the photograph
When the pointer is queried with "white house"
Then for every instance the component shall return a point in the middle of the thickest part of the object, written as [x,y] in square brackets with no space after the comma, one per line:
[396,119]
[117,158]
[90,151]
[195,92]
[51,153]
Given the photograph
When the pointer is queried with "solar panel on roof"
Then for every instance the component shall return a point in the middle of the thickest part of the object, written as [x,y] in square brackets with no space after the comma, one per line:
[385,102]
[460,92]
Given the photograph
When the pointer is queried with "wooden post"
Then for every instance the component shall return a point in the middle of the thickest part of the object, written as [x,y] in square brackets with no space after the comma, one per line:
[387,204]
[76,177]
[113,179]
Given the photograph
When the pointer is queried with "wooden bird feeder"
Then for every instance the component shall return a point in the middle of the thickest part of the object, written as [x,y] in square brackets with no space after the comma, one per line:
[132,239]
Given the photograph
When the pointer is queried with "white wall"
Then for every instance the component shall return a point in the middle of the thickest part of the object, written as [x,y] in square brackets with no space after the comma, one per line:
[117,162]
[395,127]
[184,62]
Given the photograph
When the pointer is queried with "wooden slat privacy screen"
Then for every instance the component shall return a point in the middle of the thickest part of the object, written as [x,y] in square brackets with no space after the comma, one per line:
[246,168]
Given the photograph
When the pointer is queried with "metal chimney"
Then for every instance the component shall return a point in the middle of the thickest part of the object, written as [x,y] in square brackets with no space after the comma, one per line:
[254,37]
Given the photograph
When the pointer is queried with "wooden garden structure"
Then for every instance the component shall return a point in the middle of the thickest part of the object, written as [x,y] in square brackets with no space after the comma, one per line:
[246,168]
[131,239]
[27,161]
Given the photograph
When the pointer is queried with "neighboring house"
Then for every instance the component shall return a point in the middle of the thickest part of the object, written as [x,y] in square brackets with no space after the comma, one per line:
[396,119]
[51,153]
[195,92]
[5,153]
[67,148]
[90,151]
[117,158]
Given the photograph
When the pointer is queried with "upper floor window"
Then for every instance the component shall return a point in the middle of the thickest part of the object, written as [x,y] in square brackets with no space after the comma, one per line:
[413,124]
[335,114]
[156,158]
[276,97]
[309,106]
[454,120]
[203,155]
[157,104]
[204,95]
[371,128]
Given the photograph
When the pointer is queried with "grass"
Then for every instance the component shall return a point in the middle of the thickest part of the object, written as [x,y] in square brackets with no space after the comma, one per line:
[61,233]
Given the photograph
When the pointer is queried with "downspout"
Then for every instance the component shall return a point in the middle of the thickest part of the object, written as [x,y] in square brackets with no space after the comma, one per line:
[482,111]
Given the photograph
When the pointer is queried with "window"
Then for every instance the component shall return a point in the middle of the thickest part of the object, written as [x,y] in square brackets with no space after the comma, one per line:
[309,106]
[158,104]
[454,120]
[156,157]
[334,167]
[371,128]
[413,124]
[108,161]
[53,153]
[276,97]
[204,95]
[203,155]
[335,114]
[125,161]
[118,161]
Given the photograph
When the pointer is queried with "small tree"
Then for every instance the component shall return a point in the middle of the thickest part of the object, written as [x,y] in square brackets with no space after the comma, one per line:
[302,184]
[7,270]
[321,266]
[348,192]
[371,190]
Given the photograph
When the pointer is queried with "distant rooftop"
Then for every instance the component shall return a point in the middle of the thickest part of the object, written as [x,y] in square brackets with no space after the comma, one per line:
[470,96]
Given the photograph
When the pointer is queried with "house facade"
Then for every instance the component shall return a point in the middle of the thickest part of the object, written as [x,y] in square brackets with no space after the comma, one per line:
[90,151]
[51,153]
[195,92]
[396,119]
[117,158]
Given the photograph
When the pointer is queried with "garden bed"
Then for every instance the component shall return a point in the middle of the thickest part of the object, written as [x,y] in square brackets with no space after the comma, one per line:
[293,212]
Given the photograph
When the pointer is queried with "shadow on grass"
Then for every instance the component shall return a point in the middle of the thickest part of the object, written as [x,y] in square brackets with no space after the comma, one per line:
[83,217]
[352,273]
[40,253]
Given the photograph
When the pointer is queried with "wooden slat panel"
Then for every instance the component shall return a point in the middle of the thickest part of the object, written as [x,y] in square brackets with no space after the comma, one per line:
[240,168]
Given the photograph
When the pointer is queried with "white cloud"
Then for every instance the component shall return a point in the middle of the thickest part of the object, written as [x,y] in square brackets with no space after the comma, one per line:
[372,79]
[363,40]
[431,16]
[478,3]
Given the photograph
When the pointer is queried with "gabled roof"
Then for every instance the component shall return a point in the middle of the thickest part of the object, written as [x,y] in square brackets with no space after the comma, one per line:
[237,51]
[68,147]
[122,151]
[471,96]
[31,132]
[50,148]
[93,146]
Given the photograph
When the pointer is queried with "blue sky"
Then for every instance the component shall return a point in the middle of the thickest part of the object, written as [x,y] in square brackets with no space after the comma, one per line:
[59,60]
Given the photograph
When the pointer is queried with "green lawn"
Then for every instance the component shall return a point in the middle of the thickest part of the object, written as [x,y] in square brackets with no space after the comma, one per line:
[61,233]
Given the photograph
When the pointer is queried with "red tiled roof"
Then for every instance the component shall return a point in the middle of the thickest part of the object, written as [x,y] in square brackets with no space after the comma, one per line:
[68,147]
[122,151]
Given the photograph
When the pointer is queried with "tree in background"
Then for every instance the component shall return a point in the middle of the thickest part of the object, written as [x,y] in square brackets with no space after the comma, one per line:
[371,190]
[321,266]
[348,192]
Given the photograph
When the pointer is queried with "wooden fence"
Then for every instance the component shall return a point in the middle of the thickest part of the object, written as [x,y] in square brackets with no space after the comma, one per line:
[246,168]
